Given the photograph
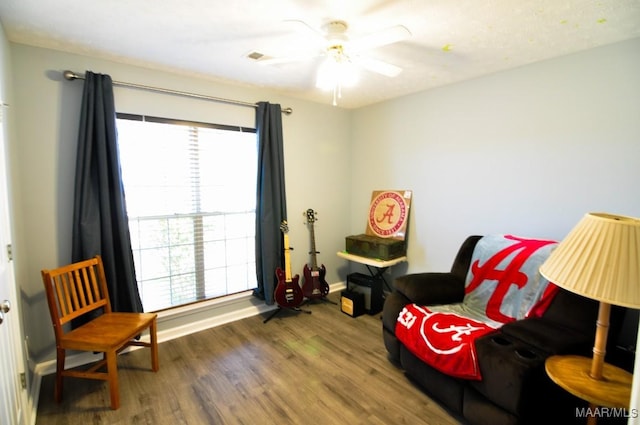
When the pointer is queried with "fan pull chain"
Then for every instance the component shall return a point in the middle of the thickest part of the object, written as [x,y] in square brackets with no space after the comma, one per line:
[337,93]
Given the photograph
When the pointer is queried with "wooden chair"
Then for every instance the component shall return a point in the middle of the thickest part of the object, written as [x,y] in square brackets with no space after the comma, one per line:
[80,288]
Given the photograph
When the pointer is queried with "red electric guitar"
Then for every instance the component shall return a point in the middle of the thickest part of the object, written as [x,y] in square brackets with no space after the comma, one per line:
[288,293]
[314,285]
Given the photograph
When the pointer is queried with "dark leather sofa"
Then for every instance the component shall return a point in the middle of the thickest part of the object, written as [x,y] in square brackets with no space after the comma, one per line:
[515,388]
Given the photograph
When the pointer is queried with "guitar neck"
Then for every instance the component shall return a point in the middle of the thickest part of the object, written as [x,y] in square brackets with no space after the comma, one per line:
[287,259]
[314,261]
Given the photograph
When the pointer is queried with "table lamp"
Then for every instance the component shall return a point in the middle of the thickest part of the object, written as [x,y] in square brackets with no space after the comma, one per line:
[599,259]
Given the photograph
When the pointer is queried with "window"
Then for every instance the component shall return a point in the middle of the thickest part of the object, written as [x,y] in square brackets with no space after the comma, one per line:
[191,192]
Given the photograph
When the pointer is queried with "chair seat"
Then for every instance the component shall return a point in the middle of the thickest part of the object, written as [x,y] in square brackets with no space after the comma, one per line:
[107,332]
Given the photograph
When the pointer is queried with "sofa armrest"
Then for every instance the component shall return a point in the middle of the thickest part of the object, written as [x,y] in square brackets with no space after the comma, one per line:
[549,337]
[431,288]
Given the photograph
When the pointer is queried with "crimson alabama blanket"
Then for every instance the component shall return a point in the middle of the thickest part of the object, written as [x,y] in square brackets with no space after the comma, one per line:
[503,285]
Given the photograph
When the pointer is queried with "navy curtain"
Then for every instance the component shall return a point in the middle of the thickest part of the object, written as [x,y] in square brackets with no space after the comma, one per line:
[100,223]
[271,207]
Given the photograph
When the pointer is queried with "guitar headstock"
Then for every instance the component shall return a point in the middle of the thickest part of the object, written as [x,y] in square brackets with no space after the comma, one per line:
[311,216]
[284,227]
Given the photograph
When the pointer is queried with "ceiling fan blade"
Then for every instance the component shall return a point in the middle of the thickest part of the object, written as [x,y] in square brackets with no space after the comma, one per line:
[288,59]
[380,38]
[305,29]
[378,66]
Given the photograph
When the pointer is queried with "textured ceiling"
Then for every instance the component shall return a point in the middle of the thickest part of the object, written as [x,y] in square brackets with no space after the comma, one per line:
[450,40]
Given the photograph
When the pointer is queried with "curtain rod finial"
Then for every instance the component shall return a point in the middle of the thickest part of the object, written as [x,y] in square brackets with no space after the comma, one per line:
[69,75]
[288,111]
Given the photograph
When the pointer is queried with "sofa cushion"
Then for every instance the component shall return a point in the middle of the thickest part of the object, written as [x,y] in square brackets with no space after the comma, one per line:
[445,341]
[549,336]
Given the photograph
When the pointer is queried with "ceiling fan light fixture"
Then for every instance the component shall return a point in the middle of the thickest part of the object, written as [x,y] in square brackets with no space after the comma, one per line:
[335,72]
[332,73]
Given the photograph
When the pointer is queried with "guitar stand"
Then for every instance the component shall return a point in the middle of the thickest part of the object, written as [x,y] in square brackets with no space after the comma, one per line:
[279,309]
[323,299]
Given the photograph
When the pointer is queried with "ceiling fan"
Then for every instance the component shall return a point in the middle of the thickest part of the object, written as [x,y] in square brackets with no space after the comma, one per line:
[343,55]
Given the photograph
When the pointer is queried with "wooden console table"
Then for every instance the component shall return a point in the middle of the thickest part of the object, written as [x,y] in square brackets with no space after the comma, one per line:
[375,266]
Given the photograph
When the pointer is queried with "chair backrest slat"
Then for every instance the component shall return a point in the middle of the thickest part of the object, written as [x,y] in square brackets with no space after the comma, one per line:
[87,276]
[80,283]
[74,290]
[61,288]
[93,289]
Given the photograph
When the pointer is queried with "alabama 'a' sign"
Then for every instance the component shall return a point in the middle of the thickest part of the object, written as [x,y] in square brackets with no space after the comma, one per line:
[389,214]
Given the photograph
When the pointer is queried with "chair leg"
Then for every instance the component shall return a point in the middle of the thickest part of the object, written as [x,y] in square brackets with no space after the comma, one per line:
[57,391]
[154,346]
[112,371]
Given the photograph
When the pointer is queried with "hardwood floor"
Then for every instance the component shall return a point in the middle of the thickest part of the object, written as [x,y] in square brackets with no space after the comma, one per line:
[319,368]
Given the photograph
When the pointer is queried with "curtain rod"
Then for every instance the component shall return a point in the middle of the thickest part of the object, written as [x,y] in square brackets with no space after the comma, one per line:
[70,75]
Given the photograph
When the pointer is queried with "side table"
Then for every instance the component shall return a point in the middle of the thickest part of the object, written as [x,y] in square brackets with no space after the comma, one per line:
[375,266]
[572,374]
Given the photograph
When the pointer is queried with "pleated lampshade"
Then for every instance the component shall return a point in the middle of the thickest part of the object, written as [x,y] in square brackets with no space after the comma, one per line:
[599,259]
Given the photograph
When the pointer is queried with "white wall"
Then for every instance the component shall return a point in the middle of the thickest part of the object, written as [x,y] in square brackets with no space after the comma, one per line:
[316,139]
[527,151]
